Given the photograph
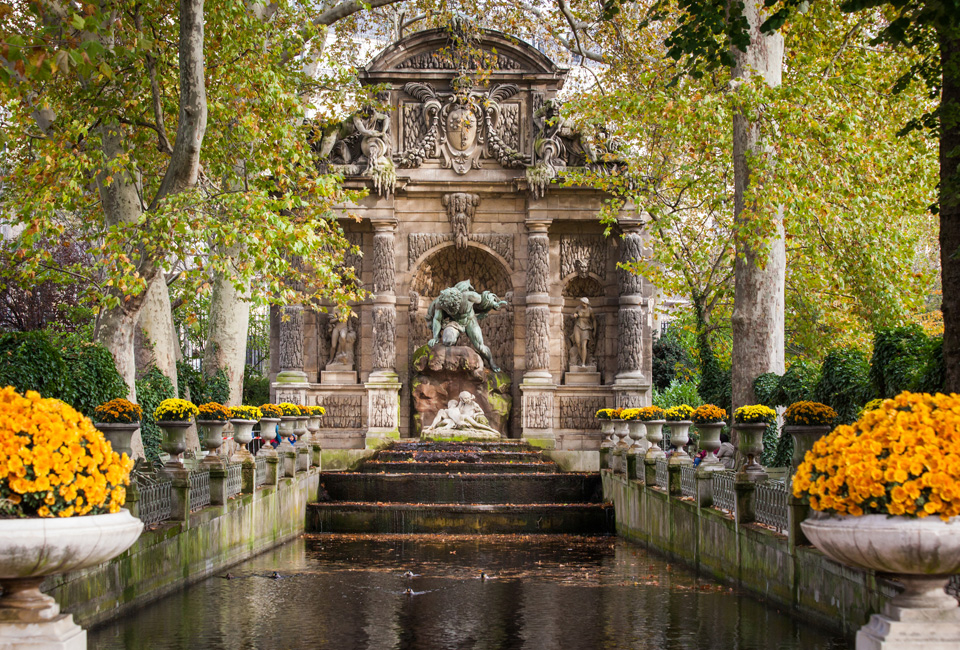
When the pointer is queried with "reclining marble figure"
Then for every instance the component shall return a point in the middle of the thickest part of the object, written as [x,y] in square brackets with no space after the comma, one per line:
[462,415]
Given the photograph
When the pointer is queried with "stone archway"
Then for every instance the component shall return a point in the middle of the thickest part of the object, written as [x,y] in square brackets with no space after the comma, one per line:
[449,265]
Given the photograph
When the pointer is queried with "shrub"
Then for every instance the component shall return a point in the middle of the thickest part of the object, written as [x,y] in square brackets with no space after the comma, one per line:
[273,411]
[708,414]
[678,413]
[246,412]
[289,410]
[932,377]
[797,383]
[28,361]
[766,388]
[809,414]
[669,355]
[152,388]
[199,388]
[755,413]
[650,413]
[256,387]
[677,393]
[899,357]
[845,383]
[175,410]
[92,377]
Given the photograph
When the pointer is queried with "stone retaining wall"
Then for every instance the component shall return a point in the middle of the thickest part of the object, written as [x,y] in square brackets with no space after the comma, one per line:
[179,553]
[757,560]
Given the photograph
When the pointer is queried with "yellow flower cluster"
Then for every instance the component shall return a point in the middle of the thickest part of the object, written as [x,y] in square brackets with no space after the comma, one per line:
[270,411]
[649,413]
[246,412]
[902,458]
[118,411]
[213,411]
[630,414]
[871,405]
[678,413]
[317,410]
[305,410]
[809,414]
[708,413]
[289,409]
[173,410]
[755,413]
[53,462]
[609,414]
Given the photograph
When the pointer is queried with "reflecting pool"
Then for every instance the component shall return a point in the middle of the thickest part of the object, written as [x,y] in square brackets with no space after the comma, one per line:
[431,593]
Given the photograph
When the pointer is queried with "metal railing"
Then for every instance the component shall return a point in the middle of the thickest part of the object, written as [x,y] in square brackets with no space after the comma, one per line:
[953,587]
[156,500]
[688,480]
[663,479]
[724,497]
[261,471]
[234,479]
[772,504]
[199,489]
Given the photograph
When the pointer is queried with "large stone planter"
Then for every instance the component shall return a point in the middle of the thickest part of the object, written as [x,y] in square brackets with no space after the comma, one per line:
[242,435]
[920,553]
[654,436]
[174,440]
[803,439]
[211,432]
[679,437]
[119,434]
[268,432]
[288,424]
[31,550]
[710,441]
[750,444]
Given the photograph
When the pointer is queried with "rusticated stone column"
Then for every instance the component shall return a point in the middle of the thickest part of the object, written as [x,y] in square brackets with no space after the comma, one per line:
[383,386]
[630,384]
[538,387]
[291,345]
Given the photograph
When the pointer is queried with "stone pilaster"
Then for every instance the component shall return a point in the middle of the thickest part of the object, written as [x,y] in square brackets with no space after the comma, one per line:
[538,387]
[383,386]
[630,384]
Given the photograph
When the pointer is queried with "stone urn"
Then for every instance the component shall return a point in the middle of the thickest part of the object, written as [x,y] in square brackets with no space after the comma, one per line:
[211,434]
[119,434]
[174,440]
[32,549]
[750,444]
[242,435]
[606,450]
[634,455]
[288,423]
[622,435]
[919,553]
[654,436]
[803,439]
[679,437]
[710,441]
[268,432]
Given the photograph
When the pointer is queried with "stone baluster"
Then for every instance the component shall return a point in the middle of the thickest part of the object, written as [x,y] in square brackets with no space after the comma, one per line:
[383,386]
[538,387]
[630,384]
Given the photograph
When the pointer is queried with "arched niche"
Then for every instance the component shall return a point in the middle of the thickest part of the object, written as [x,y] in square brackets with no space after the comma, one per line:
[449,265]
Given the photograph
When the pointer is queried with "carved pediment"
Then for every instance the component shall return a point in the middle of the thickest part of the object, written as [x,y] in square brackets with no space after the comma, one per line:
[441,59]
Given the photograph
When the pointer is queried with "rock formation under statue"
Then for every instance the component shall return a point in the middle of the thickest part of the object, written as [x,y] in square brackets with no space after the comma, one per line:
[442,375]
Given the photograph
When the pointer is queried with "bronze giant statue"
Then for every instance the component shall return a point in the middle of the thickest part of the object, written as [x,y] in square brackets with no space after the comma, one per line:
[459,309]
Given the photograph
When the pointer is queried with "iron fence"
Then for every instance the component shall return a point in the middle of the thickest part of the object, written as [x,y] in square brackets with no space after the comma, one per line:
[199,489]
[261,471]
[688,480]
[772,504]
[663,479]
[156,500]
[724,497]
[234,479]
[953,587]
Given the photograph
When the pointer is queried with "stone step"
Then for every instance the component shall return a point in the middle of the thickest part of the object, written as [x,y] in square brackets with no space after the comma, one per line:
[473,446]
[374,466]
[494,456]
[546,488]
[460,519]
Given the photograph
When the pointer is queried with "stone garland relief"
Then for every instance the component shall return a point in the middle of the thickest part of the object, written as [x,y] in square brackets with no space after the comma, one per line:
[629,340]
[583,255]
[580,412]
[536,411]
[631,248]
[384,338]
[343,411]
[538,338]
[384,264]
[538,263]
[420,242]
[383,412]
[291,338]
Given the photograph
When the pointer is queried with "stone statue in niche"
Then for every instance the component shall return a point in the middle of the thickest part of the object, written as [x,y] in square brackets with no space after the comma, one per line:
[584,334]
[342,341]
[462,417]
[458,309]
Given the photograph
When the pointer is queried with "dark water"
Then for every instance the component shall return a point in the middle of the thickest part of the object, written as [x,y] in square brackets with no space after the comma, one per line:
[346,592]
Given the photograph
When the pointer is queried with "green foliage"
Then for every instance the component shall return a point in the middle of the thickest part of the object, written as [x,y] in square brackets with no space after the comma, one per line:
[193,385]
[899,358]
[767,389]
[669,357]
[256,387]
[798,382]
[770,444]
[677,393]
[845,383]
[80,373]
[28,361]
[715,381]
[932,377]
[152,388]
[784,453]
